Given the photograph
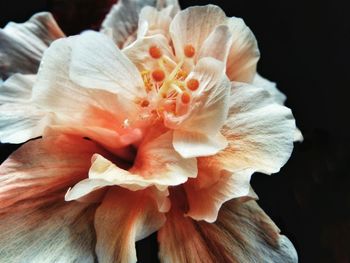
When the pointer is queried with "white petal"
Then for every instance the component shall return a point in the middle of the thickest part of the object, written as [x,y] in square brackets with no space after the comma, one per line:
[218,44]
[242,233]
[193,25]
[278,97]
[152,21]
[97,63]
[270,87]
[123,218]
[121,22]
[192,144]
[260,132]
[20,120]
[138,52]
[22,45]
[244,52]
[17,89]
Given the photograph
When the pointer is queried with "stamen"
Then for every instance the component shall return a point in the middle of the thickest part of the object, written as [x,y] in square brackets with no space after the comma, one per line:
[144,103]
[158,75]
[185,97]
[155,52]
[192,84]
[189,51]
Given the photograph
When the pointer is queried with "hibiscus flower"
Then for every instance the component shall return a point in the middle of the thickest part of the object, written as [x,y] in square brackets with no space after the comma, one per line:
[154,127]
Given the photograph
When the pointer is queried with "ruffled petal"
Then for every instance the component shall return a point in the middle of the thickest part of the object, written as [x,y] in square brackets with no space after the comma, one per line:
[224,188]
[121,24]
[193,25]
[98,64]
[138,52]
[260,132]
[278,97]
[22,45]
[156,164]
[17,89]
[152,21]
[44,166]
[242,233]
[92,113]
[244,53]
[123,218]
[58,232]
[200,128]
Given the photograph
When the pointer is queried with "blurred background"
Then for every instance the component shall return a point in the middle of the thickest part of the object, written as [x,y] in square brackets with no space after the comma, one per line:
[305,48]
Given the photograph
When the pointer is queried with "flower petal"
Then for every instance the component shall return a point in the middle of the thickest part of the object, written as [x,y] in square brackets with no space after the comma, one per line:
[122,21]
[270,87]
[20,120]
[194,144]
[59,232]
[244,52]
[22,45]
[225,188]
[138,52]
[242,233]
[260,132]
[156,164]
[193,25]
[218,44]
[44,166]
[152,21]
[17,89]
[98,64]
[201,128]
[123,218]
[93,113]
[278,97]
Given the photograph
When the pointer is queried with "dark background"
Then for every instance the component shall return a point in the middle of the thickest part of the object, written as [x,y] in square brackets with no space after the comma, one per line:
[304,48]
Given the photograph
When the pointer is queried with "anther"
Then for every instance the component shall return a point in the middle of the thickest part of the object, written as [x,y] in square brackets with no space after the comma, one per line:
[185,97]
[192,84]
[144,103]
[158,75]
[155,52]
[189,51]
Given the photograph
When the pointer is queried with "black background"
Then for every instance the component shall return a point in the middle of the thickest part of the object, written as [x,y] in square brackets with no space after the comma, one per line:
[304,48]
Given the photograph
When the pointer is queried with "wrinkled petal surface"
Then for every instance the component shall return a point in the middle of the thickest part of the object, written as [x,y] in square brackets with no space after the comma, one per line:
[242,233]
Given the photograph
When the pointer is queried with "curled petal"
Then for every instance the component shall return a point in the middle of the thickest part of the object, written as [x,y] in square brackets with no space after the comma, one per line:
[278,97]
[156,164]
[193,25]
[260,132]
[123,218]
[152,21]
[22,45]
[244,53]
[242,233]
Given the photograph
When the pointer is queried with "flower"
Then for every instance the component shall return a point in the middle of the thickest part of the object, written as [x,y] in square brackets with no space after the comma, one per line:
[156,135]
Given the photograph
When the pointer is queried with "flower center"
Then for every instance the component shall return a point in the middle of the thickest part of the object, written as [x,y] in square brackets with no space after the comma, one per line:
[167,90]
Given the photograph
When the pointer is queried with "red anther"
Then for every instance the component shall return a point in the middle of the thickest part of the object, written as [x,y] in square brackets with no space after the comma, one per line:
[189,51]
[192,84]
[185,97]
[158,75]
[144,103]
[155,52]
